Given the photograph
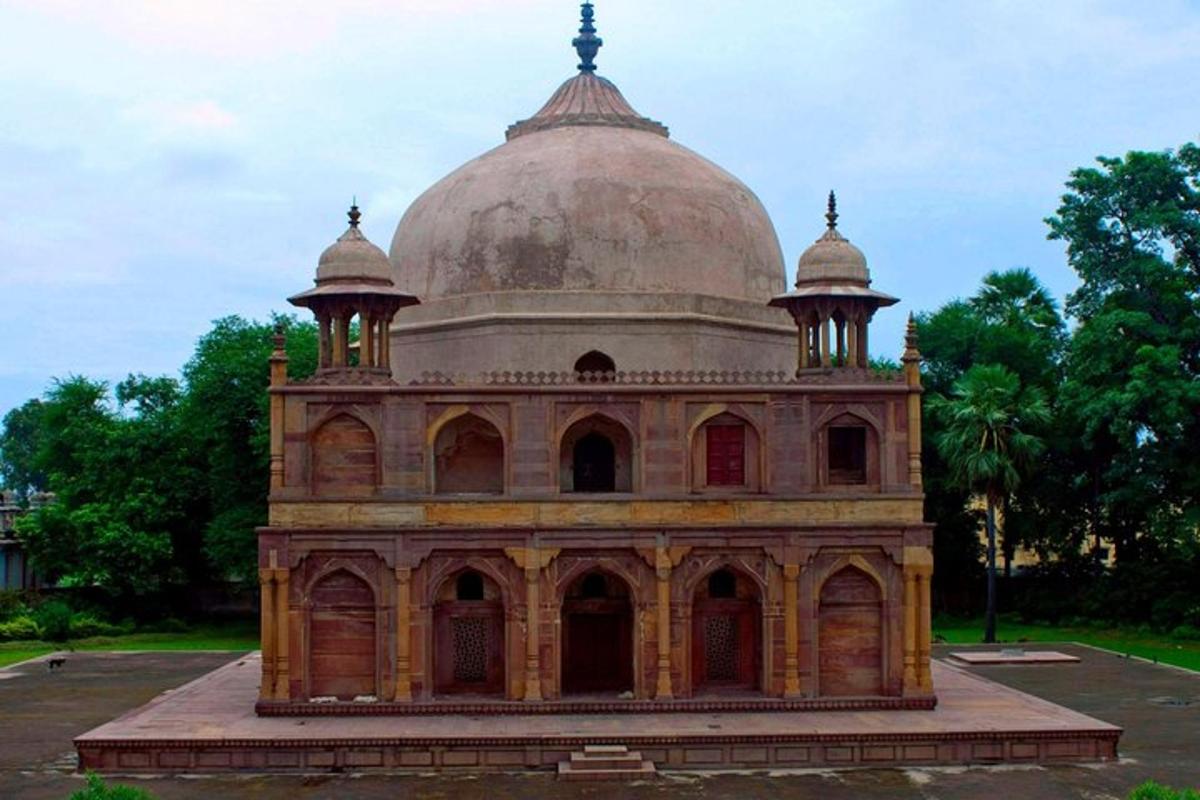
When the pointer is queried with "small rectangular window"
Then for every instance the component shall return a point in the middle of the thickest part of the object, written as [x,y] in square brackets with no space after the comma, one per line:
[847,455]
[726,446]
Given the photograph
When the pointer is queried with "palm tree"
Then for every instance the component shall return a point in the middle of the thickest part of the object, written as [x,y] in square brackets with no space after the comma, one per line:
[987,444]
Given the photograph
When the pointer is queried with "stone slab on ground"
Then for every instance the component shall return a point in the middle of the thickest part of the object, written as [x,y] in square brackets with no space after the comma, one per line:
[209,725]
[1011,656]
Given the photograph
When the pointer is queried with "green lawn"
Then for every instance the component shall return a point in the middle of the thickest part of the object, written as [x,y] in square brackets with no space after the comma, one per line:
[239,636]
[1179,652]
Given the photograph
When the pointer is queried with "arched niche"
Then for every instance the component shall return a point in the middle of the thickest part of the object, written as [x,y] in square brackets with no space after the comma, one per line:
[848,453]
[850,635]
[596,456]
[469,636]
[344,457]
[726,632]
[341,634]
[595,366]
[468,457]
[726,454]
[597,635]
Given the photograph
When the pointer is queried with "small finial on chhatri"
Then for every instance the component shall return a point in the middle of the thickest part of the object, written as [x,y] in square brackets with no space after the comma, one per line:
[831,215]
[354,214]
[587,43]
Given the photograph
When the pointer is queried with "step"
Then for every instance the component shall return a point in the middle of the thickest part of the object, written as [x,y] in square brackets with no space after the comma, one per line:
[567,771]
[604,749]
[605,761]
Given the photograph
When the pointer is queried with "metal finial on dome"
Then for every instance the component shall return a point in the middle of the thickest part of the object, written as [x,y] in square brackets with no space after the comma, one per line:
[587,43]
[831,215]
[354,214]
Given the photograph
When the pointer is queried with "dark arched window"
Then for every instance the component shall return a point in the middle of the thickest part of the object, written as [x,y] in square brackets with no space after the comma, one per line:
[847,454]
[594,586]
[595,464]
[596,363]
[469,586]
[722,583]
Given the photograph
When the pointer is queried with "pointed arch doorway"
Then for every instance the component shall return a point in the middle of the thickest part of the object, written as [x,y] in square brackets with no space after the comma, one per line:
[597,636]
[726,633]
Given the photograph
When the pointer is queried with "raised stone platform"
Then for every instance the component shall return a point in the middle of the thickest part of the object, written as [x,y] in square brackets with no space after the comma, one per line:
[210,725]
[1012,656]
[597,705]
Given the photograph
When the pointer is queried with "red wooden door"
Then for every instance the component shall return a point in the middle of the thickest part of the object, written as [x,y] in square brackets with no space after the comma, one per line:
[468,648]
[850,636]
[726,645]
[597,647]
[726,453]
[342,638]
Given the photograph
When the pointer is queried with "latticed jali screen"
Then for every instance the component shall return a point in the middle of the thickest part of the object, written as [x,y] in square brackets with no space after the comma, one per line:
[471,649]
[721,647]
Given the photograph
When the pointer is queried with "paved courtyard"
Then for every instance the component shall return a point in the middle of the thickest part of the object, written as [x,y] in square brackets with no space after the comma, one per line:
[1159,708]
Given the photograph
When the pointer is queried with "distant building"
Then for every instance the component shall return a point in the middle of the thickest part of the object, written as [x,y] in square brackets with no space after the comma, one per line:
[15,572]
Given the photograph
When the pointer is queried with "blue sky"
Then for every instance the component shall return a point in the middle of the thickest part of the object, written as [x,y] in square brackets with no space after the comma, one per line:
[164,163]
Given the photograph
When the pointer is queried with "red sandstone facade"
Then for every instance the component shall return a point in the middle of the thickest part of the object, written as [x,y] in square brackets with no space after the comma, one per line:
[430,542]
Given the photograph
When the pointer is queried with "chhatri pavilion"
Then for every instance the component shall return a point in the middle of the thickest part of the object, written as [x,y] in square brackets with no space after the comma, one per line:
[588,446]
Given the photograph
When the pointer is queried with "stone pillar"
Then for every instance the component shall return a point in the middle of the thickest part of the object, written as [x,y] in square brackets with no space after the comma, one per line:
[912,376]
[282,603]
[266,584]
[279,362]
[325,346]
[533,672]
[918,570]
[385,353]
[840,325]
[805,344]
[403,635]
[852,359]
[826,361]
[911,615]
[791,630]
[341,326]
[925,628]
[366,340]
[662,570]
[533,560]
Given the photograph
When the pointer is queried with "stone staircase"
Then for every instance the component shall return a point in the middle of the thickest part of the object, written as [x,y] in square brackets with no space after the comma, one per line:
[600,762]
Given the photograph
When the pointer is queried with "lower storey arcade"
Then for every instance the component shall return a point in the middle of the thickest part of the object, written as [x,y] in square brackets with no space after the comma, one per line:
[355,618]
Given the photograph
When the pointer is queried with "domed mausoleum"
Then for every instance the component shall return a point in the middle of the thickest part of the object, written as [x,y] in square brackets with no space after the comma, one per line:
[591,454]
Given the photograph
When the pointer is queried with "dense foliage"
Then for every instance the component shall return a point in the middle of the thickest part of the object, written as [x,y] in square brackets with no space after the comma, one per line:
[159,483]
[1123,391]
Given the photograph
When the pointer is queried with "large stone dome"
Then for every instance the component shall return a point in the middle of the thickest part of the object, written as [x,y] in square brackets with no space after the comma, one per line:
[588,196]
[588,231]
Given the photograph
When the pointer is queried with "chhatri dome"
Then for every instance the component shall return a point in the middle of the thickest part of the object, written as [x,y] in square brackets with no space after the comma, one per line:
[589,229]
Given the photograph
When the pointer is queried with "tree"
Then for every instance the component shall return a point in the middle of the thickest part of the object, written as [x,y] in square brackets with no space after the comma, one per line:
[226,417]
[1132,229]
[988,444]
[160,484]
[1014,321]
[19,442]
